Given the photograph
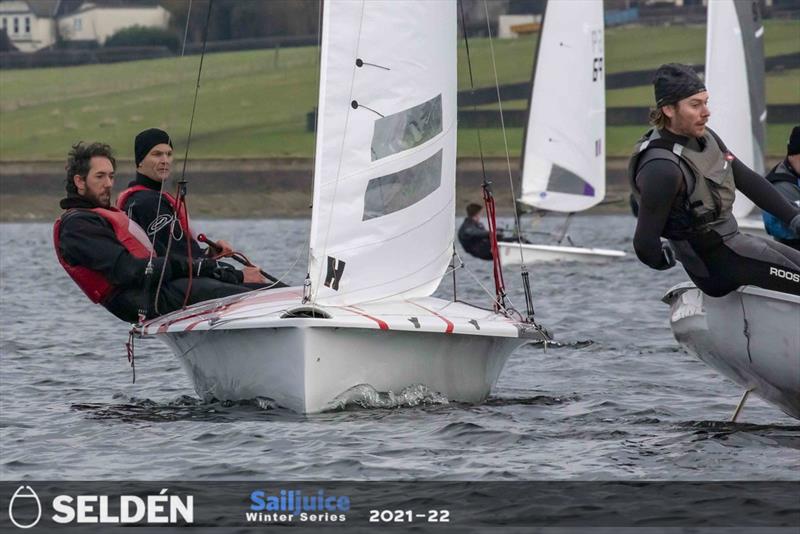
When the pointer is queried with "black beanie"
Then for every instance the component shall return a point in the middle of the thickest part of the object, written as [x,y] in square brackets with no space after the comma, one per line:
[674,82]
[793,147]
[146,140]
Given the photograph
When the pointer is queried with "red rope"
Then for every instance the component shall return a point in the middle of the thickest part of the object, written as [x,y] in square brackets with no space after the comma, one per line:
[499,283]
[181,205]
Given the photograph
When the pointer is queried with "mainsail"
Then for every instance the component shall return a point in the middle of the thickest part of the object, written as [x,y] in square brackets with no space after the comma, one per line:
[384,178]
[564,149]
[735,82]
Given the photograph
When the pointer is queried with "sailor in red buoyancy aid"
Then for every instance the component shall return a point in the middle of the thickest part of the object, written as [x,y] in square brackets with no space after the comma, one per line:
[106,253]
[154,209]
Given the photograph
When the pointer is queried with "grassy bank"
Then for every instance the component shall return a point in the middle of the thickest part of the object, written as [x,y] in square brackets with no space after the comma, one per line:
[254,103]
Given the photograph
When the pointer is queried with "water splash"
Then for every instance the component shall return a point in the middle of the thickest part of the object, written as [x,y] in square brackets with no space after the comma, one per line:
[366,396]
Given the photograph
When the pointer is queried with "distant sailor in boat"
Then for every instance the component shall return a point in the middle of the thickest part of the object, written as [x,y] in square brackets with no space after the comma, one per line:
[474,236]
[106,253]
[785,176]
[684,178]
[144,202]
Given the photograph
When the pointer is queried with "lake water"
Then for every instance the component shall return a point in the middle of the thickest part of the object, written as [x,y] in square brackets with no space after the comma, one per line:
[631,405]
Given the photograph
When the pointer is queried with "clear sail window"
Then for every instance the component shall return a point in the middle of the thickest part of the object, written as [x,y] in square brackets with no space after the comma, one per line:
[565,181]
[407,129]
[393,192]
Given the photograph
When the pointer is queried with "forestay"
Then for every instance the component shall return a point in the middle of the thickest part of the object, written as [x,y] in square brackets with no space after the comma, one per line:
[384,193]
[564,148]
[735,82]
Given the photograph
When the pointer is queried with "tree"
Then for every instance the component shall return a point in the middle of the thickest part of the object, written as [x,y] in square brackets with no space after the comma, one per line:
[143,36]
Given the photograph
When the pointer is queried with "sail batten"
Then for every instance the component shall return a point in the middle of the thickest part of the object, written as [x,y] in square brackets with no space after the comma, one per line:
[564,152]
[384,210]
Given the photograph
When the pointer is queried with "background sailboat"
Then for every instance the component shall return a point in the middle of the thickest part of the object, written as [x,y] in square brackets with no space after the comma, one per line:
[563,160]
[381,238]
[735,76]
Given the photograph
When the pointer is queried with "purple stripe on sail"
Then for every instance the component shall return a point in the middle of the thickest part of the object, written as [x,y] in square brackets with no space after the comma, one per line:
[588,190]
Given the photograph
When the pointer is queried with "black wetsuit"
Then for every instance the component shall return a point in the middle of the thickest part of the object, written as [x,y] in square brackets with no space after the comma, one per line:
[716,263]
[88,240]
[787,181]
[143,207]
[474,237]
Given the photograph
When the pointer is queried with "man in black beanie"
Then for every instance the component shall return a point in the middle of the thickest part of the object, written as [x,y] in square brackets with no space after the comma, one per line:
[785,176]
[107,255]
[147,202]
[683,181]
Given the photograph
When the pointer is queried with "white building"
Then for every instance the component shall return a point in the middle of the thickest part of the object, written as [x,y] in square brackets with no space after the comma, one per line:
[97,23]
[31,24]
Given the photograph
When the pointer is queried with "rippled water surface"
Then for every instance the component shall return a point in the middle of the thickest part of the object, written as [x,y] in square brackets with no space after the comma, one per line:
[631,405]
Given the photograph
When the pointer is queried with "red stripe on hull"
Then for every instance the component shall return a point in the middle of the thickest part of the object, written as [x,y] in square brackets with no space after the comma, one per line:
[448,322]
[382,324]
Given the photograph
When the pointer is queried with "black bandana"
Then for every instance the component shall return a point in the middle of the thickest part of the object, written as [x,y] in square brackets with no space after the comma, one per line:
[674,82]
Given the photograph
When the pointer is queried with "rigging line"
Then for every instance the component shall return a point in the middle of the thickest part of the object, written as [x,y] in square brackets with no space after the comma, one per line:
[503,128]
[314,289]
[317,67]
[197,88]
[149,268]
[472,85]
[181,186]
[507,309]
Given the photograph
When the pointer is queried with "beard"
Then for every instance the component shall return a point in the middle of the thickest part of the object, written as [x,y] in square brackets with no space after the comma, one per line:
[102,200]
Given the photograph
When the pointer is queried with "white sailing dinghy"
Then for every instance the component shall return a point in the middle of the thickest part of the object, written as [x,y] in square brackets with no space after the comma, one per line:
[752,335]
[563,159]
[381,238]
[734,76]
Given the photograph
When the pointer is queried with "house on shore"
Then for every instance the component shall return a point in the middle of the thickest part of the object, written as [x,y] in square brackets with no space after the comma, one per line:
[33,25]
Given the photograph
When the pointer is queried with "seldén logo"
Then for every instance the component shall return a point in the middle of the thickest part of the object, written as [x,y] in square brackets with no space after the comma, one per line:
[22,498]
[119,509]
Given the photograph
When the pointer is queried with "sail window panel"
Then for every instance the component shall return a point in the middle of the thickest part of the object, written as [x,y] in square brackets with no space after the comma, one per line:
[394,192]
[566,181]
[407,129]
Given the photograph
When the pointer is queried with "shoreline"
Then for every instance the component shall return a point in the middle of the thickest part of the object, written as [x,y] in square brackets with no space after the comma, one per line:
[266,188]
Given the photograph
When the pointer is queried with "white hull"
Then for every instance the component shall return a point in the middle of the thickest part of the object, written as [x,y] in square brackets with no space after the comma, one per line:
[714,330]
[510,254]
[252,346]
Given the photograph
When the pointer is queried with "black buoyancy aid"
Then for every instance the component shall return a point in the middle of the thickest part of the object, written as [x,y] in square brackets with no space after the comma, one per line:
[128,233]
[182,214]
[782,173]
[708,177]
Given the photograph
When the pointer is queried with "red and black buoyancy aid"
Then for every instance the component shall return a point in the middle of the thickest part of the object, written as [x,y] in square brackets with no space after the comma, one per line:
[182,213]
[128,233]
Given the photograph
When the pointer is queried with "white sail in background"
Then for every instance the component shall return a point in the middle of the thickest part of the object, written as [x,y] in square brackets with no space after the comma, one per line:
[564,151]
[735,82]
[384,179]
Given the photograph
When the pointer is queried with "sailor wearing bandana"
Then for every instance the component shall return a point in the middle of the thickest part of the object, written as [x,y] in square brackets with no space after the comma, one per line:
[683,181]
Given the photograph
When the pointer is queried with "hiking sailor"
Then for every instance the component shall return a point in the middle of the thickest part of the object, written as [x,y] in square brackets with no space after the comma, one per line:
[785,176]
[154,210]
[106,253]
[684,179]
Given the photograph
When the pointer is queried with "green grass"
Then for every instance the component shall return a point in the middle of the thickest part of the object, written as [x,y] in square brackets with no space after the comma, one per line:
[254,104]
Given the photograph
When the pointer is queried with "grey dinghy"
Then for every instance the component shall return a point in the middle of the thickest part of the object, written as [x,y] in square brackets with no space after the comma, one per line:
[382,230]
[751,336]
